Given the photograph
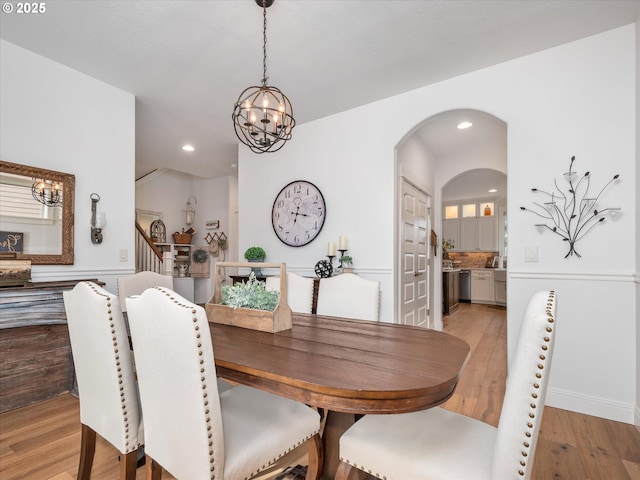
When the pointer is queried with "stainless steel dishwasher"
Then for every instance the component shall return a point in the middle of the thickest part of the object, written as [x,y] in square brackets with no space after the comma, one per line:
[465,286]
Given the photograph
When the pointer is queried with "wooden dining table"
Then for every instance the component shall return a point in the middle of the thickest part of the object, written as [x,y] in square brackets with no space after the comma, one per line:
[345,367]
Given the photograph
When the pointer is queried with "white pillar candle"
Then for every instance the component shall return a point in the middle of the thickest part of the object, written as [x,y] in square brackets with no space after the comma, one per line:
[331,248]
[342,244]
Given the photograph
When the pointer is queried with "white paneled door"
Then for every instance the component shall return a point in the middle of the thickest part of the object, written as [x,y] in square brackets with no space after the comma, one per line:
[414,256]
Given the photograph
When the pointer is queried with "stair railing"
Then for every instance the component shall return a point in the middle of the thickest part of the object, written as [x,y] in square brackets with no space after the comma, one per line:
[148,256]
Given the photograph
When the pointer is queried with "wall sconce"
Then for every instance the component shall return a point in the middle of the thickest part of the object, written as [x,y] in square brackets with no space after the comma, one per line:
[98,220]
[572,214]
[189,211]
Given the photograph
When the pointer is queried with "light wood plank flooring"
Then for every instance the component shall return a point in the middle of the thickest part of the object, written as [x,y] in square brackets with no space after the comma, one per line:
[42,441]
[571,446]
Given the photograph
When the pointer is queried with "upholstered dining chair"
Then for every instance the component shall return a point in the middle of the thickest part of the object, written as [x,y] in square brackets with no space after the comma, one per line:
[349,295]
[299,291]
[138,282]
[109,403]
[191,430]
[439,444]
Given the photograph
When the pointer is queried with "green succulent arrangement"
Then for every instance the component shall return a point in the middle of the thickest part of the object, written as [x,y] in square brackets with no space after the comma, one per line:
[250,294]
[255,253]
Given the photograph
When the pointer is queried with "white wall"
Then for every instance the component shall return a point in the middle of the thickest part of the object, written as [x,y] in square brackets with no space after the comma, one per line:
[57,118]
[168,191]
[577,99]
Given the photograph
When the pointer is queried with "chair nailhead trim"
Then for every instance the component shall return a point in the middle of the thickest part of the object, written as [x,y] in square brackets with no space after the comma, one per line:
[114,341]
[205,402]
[538,375]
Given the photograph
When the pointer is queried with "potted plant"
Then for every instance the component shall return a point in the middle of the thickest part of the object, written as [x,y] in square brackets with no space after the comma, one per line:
[446,246]
[347,263]
[250,294]
[250,304]
[255,254]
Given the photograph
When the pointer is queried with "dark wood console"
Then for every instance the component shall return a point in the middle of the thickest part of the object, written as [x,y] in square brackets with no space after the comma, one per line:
[35,353]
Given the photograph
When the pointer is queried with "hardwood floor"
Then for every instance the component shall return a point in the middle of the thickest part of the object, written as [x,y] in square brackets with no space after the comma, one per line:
[571,446]
[42,441]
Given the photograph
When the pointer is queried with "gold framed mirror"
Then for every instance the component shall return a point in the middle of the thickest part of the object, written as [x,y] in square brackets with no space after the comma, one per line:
[36,214]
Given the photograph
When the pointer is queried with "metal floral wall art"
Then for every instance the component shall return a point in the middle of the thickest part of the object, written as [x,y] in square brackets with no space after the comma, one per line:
[572,213]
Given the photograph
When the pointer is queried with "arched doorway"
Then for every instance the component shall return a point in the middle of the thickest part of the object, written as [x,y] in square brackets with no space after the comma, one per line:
[430,156]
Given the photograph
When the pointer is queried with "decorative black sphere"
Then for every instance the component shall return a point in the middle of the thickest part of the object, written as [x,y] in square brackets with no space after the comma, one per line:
[324,269]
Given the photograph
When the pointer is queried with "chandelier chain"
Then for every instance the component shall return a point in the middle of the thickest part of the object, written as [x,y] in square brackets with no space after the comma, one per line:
[262,115]
[264,42]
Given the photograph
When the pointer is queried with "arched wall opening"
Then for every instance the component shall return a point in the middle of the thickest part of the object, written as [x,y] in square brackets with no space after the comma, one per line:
[434,154]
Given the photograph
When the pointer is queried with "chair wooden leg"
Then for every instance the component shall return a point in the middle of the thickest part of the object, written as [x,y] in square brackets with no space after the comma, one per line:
[87,450]
[316,458]
[153,469]
[128,464]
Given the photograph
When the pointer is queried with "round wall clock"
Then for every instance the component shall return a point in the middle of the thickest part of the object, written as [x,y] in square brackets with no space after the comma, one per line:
[298,213]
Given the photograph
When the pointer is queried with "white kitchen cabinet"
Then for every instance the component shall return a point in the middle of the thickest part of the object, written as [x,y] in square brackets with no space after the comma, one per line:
[468,235]
[500,280]
[478,234]
[482,286]
[474,230]
[487,234]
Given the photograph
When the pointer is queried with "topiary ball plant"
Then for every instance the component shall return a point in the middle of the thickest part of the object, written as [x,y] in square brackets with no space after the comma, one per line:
[255,253]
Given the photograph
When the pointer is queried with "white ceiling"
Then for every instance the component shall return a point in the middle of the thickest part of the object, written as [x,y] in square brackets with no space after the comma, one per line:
[187,61]
[476,184]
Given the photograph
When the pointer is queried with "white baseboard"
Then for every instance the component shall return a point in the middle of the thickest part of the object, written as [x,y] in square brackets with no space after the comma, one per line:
[595,406]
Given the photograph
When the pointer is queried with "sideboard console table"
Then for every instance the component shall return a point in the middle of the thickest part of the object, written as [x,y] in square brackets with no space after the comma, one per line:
[35,353]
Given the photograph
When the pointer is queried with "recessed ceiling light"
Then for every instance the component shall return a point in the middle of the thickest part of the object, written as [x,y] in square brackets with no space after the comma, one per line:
[493,190]
[188,148]
[463,125]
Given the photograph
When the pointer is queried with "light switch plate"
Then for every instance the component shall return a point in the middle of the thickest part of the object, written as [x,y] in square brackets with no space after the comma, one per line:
[124,255]
[531,254]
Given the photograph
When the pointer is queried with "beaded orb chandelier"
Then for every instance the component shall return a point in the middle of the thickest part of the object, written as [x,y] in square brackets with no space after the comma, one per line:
[263,116]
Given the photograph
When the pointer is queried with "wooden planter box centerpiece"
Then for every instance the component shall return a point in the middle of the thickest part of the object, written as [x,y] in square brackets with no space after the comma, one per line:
[276,321]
